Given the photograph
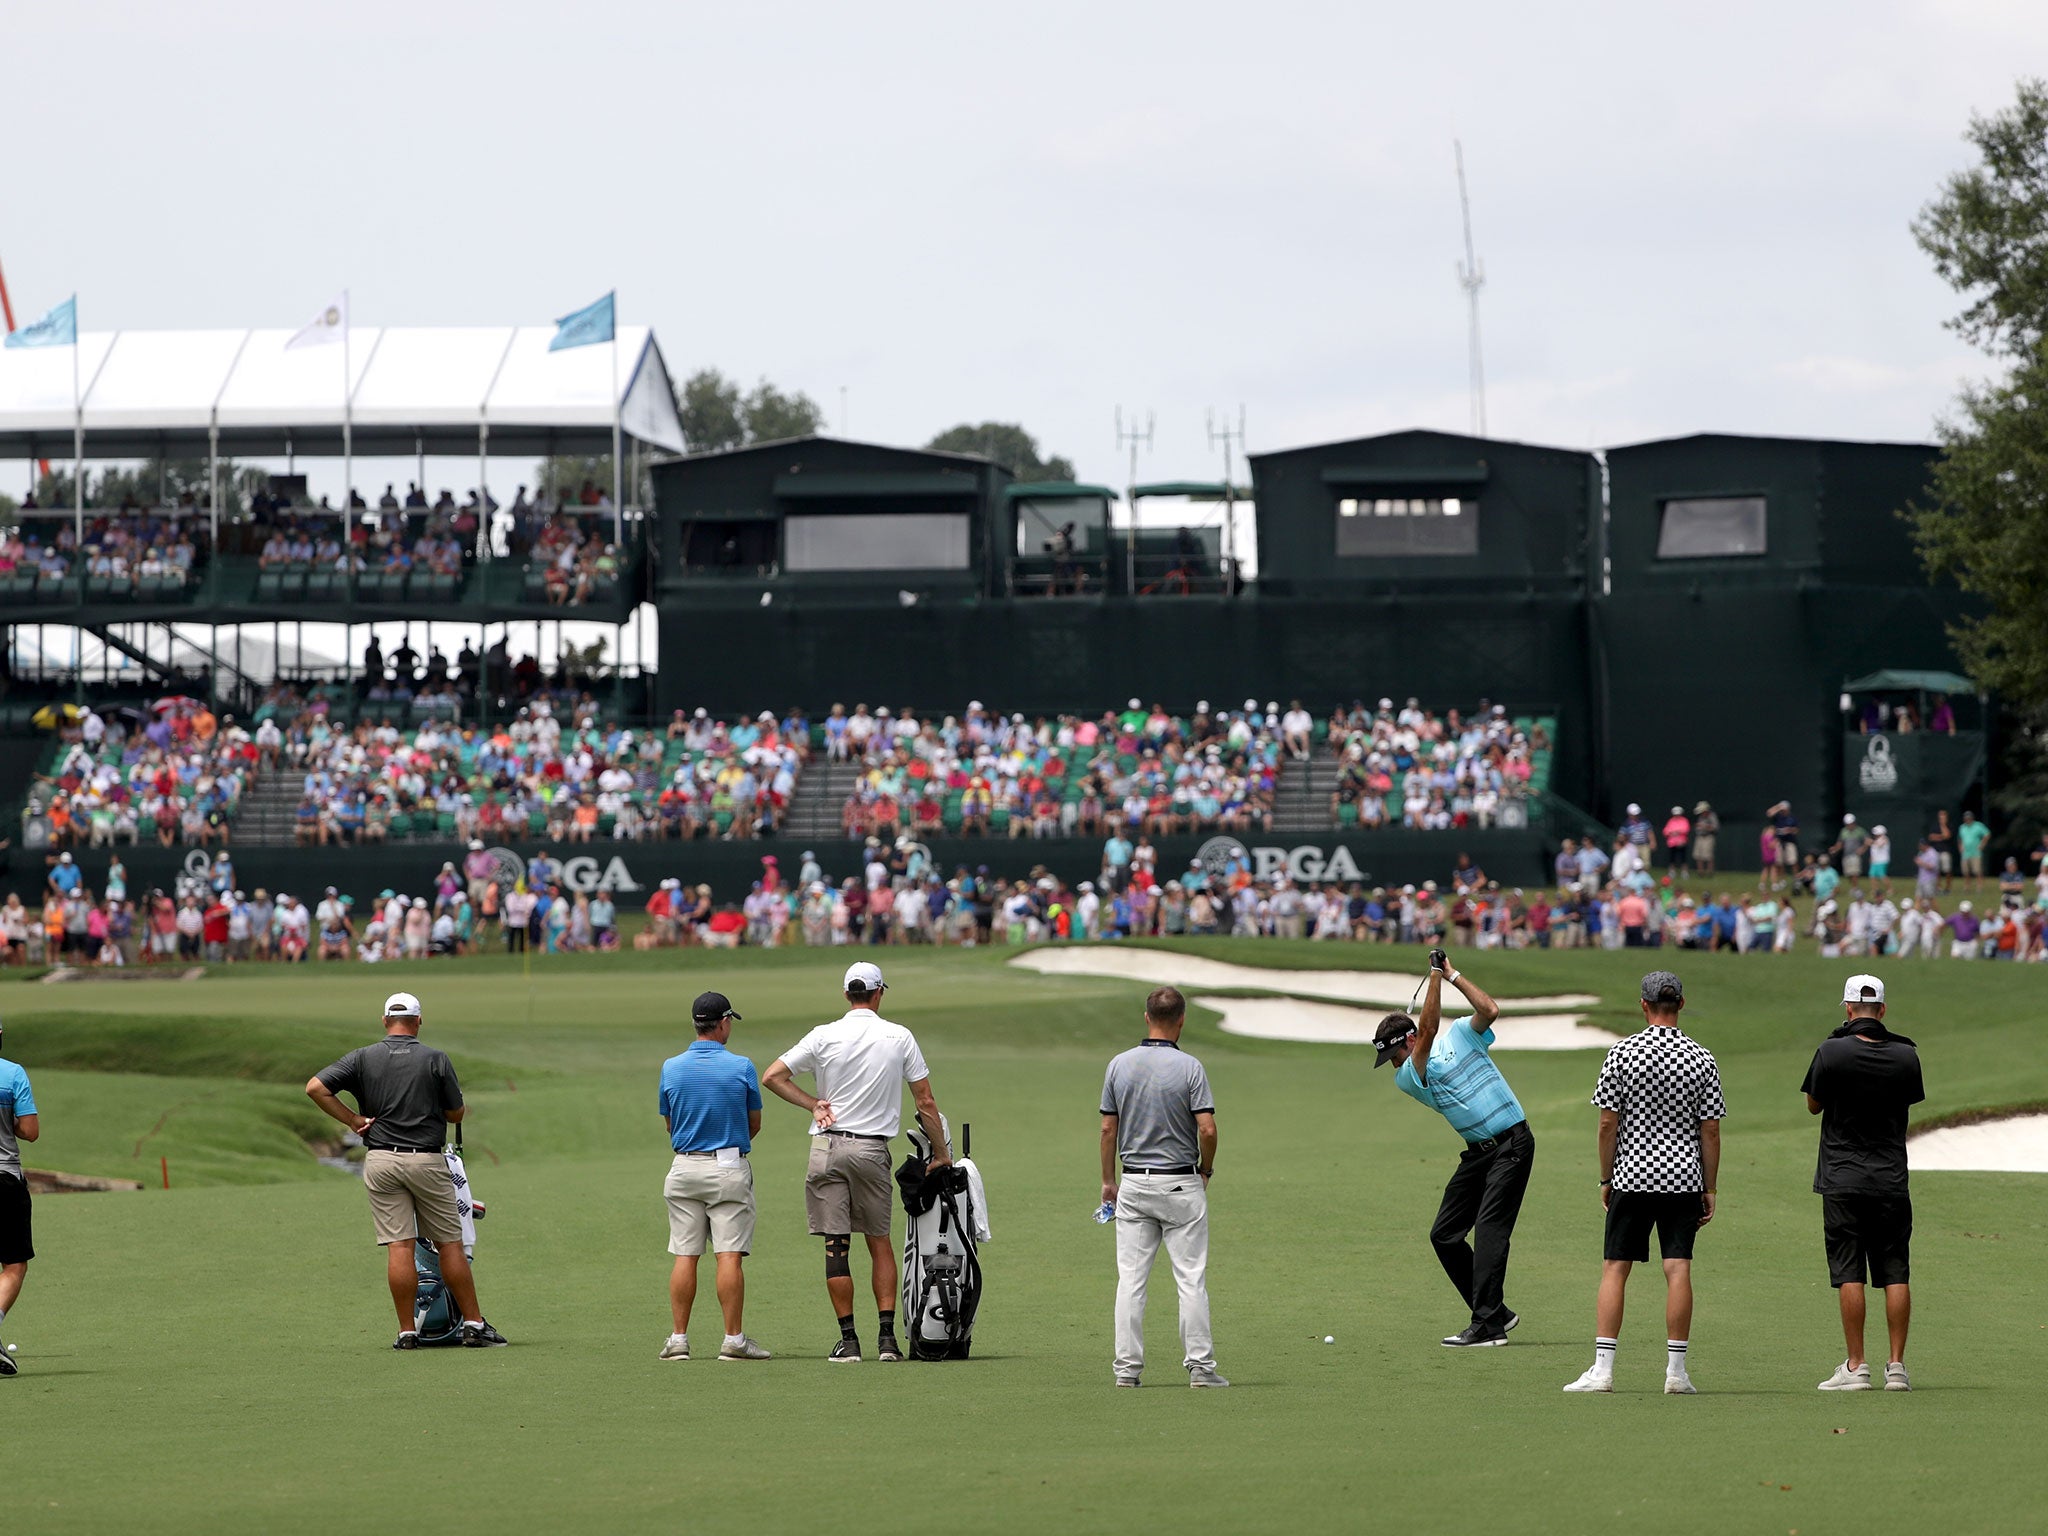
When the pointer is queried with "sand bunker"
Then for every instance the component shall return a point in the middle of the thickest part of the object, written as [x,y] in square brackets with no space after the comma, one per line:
[1379,989]
[1284,1018]
[2015,1145]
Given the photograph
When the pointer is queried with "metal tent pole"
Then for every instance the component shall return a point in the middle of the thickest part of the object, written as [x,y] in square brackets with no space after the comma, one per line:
[348,478]
[618,411]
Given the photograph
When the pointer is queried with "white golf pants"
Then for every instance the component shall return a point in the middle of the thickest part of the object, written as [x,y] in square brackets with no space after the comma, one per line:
[1152,1209]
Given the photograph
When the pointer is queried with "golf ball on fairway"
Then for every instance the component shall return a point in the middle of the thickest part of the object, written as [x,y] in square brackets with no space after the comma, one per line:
[1329,1338]
[10,1349]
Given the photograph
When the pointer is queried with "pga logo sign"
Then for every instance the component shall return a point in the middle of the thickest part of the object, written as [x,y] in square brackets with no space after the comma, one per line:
[581,874]
[1221,856]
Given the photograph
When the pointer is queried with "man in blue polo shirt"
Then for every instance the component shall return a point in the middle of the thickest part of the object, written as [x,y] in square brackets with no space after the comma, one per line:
[711,1106]
[18,1123]
[1454,1075]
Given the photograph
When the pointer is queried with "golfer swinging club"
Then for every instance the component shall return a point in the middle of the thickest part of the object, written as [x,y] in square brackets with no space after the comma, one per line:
[1455,1076]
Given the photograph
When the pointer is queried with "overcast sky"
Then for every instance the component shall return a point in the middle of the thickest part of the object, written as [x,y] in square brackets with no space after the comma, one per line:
[1039,212]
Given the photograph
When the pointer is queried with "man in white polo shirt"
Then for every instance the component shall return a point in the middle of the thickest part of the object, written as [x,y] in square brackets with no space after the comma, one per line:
[860,1064]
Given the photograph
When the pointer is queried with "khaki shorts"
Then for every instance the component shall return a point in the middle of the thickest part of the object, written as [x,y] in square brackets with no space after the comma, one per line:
[709,1202]
[847,1187]
[411,1195]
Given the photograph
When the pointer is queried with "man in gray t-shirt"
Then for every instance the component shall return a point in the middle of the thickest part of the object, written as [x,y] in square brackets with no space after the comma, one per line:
[1159,1120]
[407,1096]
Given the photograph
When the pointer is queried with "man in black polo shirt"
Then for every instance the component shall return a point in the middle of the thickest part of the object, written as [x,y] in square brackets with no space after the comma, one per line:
[1862,1081]
[408,1096]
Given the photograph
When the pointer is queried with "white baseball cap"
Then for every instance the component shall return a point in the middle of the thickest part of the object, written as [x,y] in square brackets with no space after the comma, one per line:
[401,1005]
[865,975]
[1863,989]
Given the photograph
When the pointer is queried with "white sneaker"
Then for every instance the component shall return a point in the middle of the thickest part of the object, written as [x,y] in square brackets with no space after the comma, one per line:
[1896,1379]
[1205,1376]
[1595,1380]
[1846,1380]
[677,1347]
[1679,1385]
[740,1347]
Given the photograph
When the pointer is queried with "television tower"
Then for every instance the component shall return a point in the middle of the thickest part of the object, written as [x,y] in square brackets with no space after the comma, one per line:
[1472,277]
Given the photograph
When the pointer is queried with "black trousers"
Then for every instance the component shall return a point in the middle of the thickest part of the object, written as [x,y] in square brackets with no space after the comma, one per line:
[1483,1199]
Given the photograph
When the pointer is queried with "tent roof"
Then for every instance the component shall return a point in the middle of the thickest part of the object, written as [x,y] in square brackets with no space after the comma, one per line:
[1894,680]
[1055,490]
[1194,490]
[145,393]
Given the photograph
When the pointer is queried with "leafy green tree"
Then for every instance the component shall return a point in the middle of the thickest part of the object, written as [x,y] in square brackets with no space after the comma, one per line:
[152,483]
[1009,445]
[713,412]
[561,478]
[771,416]
[1985,523]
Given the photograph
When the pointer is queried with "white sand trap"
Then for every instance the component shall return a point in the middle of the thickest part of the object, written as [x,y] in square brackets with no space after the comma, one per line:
[1380,989]
[2017,1145]
[1277,1018]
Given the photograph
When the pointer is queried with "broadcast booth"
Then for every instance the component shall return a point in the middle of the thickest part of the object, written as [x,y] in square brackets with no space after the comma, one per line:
[1750,578]
[1060,539]
[1446,568]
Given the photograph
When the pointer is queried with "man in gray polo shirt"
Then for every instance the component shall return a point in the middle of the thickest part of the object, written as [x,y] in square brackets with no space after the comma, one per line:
[1159,1119]
[408,1097]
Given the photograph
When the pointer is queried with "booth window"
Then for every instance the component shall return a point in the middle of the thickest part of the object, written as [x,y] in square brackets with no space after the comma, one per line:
[877,541]
[1407,525]
[1712,528]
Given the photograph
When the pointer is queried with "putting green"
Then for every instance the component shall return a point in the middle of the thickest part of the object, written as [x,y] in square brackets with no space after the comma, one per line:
[216,1358]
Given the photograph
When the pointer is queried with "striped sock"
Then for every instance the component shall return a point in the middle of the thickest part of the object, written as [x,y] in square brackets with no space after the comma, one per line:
[1674,1357]
[1603,1355]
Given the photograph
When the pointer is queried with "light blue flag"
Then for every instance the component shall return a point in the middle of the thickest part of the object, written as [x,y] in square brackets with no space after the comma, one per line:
[59,328]
[586,327]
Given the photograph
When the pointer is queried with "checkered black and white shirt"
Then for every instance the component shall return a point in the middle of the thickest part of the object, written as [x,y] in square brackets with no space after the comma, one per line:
[1663,1084]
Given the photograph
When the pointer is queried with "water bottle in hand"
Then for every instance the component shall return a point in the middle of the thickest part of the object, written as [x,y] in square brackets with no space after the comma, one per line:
[1105,1213]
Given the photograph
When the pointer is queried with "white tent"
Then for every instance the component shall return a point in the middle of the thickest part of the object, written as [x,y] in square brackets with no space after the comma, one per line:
[418,390]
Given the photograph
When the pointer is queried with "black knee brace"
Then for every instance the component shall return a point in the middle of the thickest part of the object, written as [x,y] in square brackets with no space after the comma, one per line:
[837,1252]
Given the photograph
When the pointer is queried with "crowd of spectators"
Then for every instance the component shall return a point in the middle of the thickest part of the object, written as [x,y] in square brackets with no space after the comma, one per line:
[564,778]
[981,773]
[173,777]
[565,539]
[160,545]
[1413,768]
[897,896]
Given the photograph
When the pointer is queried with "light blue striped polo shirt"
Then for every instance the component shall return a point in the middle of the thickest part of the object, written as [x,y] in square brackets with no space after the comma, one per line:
[16,1100]
[1464,1086]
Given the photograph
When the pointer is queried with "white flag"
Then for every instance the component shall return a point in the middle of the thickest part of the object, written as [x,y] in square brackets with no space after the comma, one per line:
[325,328]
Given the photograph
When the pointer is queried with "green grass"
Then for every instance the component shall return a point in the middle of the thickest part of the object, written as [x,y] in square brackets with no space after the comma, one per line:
[216,1358]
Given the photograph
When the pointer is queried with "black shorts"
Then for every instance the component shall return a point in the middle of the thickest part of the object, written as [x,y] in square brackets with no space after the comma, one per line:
[16,1243]
[1868,1234]
[1630,1217]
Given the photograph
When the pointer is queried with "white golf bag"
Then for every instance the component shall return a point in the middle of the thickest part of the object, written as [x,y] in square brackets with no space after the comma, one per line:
[436,1318]
[941,1264]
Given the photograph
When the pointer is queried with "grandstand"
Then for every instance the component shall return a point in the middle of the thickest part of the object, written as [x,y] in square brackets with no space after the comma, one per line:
[1463,573]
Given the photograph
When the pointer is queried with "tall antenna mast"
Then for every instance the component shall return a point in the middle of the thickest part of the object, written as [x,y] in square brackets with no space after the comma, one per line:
[1472,277]
[1134,437]
[1224,437]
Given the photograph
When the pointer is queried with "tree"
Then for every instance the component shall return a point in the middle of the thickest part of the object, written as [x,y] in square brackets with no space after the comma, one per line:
[560,479]
[712,411]
[1985,523]
[771,415]
[1009,445]
[152,483]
